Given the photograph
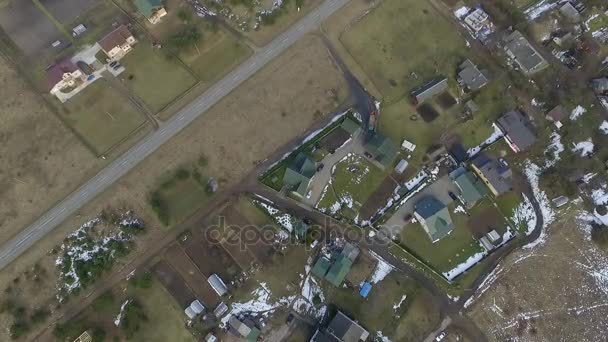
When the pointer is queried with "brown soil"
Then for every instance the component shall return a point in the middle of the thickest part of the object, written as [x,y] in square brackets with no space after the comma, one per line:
[174,283]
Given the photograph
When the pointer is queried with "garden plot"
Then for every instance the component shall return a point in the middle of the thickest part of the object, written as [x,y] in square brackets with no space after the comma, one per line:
[353,181]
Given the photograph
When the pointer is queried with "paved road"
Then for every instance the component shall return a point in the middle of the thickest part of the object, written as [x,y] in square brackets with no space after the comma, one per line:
[51,219]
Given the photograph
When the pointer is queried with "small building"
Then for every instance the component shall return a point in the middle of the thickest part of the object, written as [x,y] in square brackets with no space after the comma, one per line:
[365,289]
[560,201]
[429,90]
[518,131]
[471,188]
[382,149]
[490,240]
[470,77]
[479,22]
[408,145]
[600,85]
[299,174]
[556,115]
[519,49]
[434,217]
[321,267]
[195,308]
[570,12]
[153,10]
[351,126]
[401,166]
[562,38]
[341,329]
[435,152]
[217,284]
[495,174]
[459,153]
[220,310]
[210,338]
[62,75]
[84,337]
[336,269]
[245,329]
[118,43]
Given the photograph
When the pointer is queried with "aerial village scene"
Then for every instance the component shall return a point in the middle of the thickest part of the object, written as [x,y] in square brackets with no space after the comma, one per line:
[304,170]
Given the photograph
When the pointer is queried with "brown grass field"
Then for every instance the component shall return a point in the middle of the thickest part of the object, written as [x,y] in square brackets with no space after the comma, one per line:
[275,106]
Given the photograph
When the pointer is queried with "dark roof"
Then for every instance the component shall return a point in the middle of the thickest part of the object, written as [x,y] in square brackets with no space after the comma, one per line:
[557,114]
[298,175]
[350,125]
[518,129]
[525,55]
[458,152]
[600,85]
[470,76]
[55,72]
[148,7]
[382,149]
[338,270]
[430,89]
[115,38]
[347,330]
[496,172]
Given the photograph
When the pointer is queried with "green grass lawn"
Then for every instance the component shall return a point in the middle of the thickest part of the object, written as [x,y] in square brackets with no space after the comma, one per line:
[507,203]
[446,253]
[98,22]
[400,37]
[416,316]
[102,116]
[154,77]
[183,199]
[601,21]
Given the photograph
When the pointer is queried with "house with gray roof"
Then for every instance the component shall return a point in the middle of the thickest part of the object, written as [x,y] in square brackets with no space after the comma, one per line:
[519,49]
[470,77]
[341,329]
[382,149]
[434,217]
[495,174]
[600,85]
[299,174]
[518,130]
[429,90]
[471,188]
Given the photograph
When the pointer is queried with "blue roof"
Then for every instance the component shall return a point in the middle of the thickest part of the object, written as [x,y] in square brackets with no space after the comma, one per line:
[365,288]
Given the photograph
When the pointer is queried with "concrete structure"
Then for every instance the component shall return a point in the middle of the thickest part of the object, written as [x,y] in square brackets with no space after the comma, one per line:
[479,22]
[62,75]
[401,166]
[434,217]
[471,188]
[118,43]
[529,60]
[341,329]
[518,130]
[153,10]
[217,284]
[495,174]
[429,90]
[470,77]
[299,174]
[220,310]
[408,145]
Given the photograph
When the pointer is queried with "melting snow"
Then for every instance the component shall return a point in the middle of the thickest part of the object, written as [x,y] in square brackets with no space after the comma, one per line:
[554,149]
[577,112]
[122,309]
[383,268]
[459,209]
[537,10]
[470,262]
[524,215]
[497,134]
[585,147]
[398,305]
[532,172]
[604,127]
[600,196]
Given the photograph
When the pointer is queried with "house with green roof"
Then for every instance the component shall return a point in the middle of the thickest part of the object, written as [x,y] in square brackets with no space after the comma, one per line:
[336,269]
[434,217]
[382,149]
[350,126]
[471,188]
[299,174]
[300,229]
[153,10]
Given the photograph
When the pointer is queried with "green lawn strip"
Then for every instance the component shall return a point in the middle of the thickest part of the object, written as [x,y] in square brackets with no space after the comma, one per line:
[400,37]
[102,116]
[54,21]
[508,202]
[254,213]
[154,77]
[328,199]
[360,182]
[381,316]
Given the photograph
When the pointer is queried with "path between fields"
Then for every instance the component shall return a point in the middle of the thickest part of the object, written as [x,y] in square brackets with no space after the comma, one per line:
[55,216]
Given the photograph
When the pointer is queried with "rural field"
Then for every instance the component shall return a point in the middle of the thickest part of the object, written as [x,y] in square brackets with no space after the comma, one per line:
[42,159]
[567,301]
[260,113]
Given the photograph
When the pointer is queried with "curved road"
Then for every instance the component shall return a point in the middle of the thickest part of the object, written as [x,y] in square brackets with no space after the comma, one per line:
[47,222]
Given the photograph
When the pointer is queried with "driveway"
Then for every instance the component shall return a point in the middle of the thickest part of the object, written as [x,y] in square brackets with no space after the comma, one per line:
[319,182]
[439,189]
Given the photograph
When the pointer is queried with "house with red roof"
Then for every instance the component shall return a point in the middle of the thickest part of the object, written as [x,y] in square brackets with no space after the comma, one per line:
[62,75]
[118,43]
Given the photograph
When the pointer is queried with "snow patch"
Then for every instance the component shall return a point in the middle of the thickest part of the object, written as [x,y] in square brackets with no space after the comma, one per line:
[577,112]
[584,147]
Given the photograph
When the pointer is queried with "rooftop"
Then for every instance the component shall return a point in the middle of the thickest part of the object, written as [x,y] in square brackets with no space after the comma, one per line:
[497,173]
[430,89]
[299,174]
[434,217]
[471,77]
[382,149]
[148,7]
[516,126]
[471,188]
[118,37]
[55,72]
[525,55]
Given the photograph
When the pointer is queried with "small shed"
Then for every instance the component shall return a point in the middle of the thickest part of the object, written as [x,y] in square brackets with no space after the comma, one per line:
[366,287]
[560,201]
[217,284]
[429,90]
[220,310]
[470,107]
[195,308]
[408,145]
[401,166]
[557,114]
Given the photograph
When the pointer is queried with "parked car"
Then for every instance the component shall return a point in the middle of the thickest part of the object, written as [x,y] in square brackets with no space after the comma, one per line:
[440,337]
[408,218]
[320,167]
[290,318]
[112,64]
[368,155]
[116,67]
[452,196]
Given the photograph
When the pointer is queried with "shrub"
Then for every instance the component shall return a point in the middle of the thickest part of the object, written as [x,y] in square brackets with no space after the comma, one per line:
[182,174]
[98,334]
[144,281]
[160,207]
[185,38]
[40,315]
[601,209]
[18,329]
[133,317]
[104,303]
[69,330]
